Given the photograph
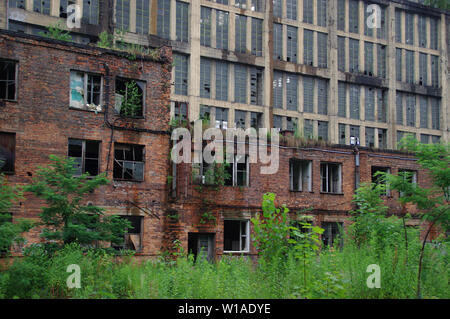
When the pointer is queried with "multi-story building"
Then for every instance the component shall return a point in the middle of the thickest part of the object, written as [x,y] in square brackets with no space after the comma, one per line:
[313,67]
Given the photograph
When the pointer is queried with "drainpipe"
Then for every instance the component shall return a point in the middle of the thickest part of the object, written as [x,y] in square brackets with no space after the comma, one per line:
[356,168]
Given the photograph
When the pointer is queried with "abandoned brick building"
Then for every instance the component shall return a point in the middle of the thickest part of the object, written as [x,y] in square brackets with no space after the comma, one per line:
[309,66]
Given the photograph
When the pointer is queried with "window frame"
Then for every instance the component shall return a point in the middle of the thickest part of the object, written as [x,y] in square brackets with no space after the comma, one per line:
[338,191]
[83,155]
[133,161]
[309,169]
[13,155]
[246,236]
[16,80]
[143,97]
[86,75]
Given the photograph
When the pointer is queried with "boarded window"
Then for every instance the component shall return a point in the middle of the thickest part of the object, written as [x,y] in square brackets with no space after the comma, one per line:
[434,25]
[368,58]
[182,21]
[435,70]
[86,156]
[322,12]
[322,127]
[370,137]
[123,15]
[241,34]
[308,47]
[398,64]
[142,16]
[8,80]
[221,30]
[257,36]
[278,41]
[123,94]
[399,108]
[398,26]
[342,99]
[277,8]
[382,105]
[205,26]
[221,81]
[369,109]
[308,11]
[409,28]
[291,9]
[85,90]
[435,113]
[256,86]
[300,175]
[163,22]
[423,68]
[277,90]
[308,131]
[330,174]
[342,135]
[291,44]
[322,52]
[353,47]
[422,29]
[291,91]
[41,6]
[341,54]
[181,74]
[205,77]
[322,96]
[423,112]
[381,60]
[308,94]
[239,118]
[7,152]
[354,102]
[341,15]
[240,83]
[409,62]
[128,162]
[353,16]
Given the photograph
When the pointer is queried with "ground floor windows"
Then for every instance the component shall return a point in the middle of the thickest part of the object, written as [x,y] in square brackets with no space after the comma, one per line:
[133,236]
[331,234]
[236,236]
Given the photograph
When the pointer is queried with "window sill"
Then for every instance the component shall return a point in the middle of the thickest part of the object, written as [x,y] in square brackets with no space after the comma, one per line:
[294,191]
[9,101]
[236,252]
[127,180]
[325,193]
[85,110]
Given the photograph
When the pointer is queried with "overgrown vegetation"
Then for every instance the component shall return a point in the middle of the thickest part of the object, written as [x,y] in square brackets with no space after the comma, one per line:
[57,32]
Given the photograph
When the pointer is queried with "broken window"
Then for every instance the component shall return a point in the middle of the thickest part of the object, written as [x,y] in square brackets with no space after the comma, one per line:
[142,16]
[354,131]
[221,81]
[382,105]
[131,94]
[128,162]
[180,111]
[434,31]
[321,12]
[332,233]
[278,41]
[63,4]
[277,89]
[221,118]
[221,30]
[85,91]
[236,235]
[278,122]
[353,16]
[239,118]
[435,113]
[330,174]
[341,15]
[257,36]
[241,34]
[370,137]
[398,64]
[369,110]
[308,129]
[240,83]
[409,62]
[7,152]
[322,51]
[291,9]
[423,72]
[341,54]
[205,77]
[182,21]
[300,175]
[86,156]
[308,94]
[291,44]
[322,130]
[17,4]
[8,80]
[238,171]
[205,113]
[163,20]
[368,58]
[90,11]
[41,6]
[322,96]
[308,47]
[342,99]
[411,110]
[256,120]
[133,236]
[409,28]
[291,124]
[205,26]
[435,70]
[342,135]
[308,11]
[398,26]
[422,28]
[256,86]
[181,74]
[408,175]
[291,91]
[123,15]
[354,102]
[381,60]
[382,138]
[277,8]
[353,47]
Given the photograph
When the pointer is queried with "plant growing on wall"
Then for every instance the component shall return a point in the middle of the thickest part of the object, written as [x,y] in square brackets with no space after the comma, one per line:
[131,104]
[56,32]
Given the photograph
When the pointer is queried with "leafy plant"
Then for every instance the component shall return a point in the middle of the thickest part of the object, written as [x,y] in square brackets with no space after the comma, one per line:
[131,104]
[57,32]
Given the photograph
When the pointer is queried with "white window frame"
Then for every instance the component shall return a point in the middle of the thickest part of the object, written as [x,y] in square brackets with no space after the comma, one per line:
[85,91]
[246,236]
[339,182]
[308,163]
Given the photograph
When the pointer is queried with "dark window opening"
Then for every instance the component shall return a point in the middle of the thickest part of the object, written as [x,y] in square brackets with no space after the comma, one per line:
[300,175]
[133,236]
[129,97]
[7,80]
[201,245]
[181,111]
[379,180]
[86,156]
[128,162]
[331,177]
[7,152]
[236,235]
[331,234]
